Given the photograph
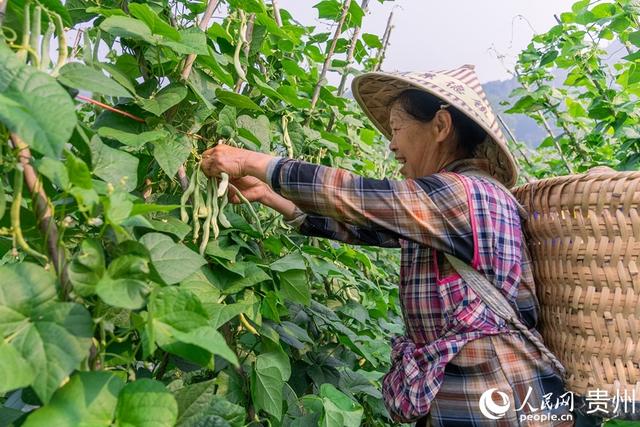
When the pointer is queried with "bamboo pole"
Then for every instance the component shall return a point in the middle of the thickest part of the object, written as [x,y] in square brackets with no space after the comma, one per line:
[385,43]
[514,140]
[352,48]
[276,12]
[327,61]
[203,25]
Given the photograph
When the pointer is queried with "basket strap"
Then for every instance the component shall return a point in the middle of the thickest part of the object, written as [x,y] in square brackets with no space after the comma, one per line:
[497,302]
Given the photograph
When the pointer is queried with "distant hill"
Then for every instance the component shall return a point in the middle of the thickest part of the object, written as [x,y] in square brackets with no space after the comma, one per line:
[524,128]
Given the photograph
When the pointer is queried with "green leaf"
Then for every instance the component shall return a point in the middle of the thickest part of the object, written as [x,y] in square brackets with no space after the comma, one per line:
[114,166]
[54,170]
[548,57]
[83,77]
[203,86]
[88,400]
[226,122]
[3,200]
[131,139]
[171,153]
[180,326]
[295,286]
[198,405]
[53,337]
[259,128]
[146,403]
[208,338]
[292,261]
[251,275]
[171,225]
[173,261]
[267,381]
[634,38]
[165,99]
[34,106]
[328,9]
[16,371]
[339,410]
[129,28]
[118,207]
[372,40]
[87,267]
[123,293]
[192,40]
[236,100]
[154,22]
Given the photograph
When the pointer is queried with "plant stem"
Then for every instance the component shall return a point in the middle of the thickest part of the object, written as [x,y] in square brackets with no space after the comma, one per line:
[44,213]
[110,108]
[327,61]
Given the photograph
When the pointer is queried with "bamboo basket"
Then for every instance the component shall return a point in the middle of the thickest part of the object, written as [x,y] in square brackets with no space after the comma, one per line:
[584,237]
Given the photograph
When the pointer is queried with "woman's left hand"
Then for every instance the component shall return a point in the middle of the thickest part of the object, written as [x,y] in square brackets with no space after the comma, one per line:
[225,158]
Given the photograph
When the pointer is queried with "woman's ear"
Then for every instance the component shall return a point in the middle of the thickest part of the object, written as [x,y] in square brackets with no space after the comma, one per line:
[442,125]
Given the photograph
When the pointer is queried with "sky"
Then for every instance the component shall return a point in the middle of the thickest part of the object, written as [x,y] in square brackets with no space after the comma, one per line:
[436,35]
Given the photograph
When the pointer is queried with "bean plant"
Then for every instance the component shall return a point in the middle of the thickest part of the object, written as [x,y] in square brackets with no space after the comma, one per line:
[131,291]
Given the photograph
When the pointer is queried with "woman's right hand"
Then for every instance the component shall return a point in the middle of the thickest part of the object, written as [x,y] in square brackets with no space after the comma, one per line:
[251,188]
[255,190]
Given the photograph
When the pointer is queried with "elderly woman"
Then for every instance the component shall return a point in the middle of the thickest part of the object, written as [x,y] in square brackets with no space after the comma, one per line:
[459,363]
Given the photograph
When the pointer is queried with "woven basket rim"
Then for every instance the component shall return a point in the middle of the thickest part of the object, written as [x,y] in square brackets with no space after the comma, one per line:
[564,179]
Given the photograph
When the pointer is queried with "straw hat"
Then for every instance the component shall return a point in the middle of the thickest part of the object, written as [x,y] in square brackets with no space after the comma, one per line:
[459,88]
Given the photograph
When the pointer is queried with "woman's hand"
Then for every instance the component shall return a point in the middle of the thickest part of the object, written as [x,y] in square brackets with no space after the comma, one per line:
[255,190]
[236,162]
[251,188]
[224,158]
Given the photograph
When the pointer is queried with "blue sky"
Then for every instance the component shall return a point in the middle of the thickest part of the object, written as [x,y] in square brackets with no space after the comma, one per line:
[433,35]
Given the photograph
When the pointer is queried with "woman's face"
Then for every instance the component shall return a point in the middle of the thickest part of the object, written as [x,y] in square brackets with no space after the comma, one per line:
[412,143]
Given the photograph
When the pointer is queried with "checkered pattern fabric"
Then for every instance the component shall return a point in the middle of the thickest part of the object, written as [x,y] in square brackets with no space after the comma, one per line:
[445,320]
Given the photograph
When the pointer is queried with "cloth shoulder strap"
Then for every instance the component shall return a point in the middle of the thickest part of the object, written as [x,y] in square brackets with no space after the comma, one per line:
[498,303]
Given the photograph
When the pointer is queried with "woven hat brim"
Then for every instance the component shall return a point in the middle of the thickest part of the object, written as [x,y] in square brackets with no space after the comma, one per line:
[374,92]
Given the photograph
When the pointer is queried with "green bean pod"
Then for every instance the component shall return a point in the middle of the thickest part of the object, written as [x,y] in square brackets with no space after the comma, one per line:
[26,30]
[285,136]
[87,54]
[251,209]
[15,216]
[214,208]
[207,221]
[237,64]
[224,184]
[197,202]
[45,59]
[222,217]
[185,196]
[62,45]
[34,38]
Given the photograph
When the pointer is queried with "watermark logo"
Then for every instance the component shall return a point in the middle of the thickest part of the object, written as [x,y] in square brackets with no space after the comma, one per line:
[495,404]
[489,407]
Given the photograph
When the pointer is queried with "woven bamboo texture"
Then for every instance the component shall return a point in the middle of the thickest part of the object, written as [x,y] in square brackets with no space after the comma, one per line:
[584,237]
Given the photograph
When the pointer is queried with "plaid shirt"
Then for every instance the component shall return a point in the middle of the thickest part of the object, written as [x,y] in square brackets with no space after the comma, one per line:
[464,215]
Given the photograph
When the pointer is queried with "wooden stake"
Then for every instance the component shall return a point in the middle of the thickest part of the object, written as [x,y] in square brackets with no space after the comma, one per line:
[385,43]
[203,25]
[327,61]
[352,48]
[276,12]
